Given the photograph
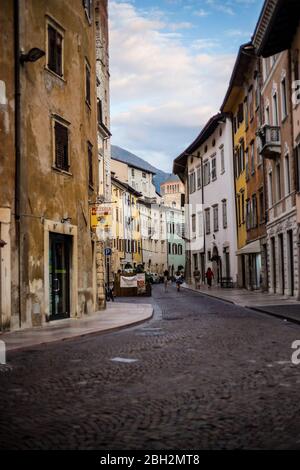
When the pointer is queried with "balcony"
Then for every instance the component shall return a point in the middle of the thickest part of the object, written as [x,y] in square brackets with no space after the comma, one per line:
[270,141]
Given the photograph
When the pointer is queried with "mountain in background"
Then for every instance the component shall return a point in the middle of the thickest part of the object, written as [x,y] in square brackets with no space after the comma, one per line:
[121,154]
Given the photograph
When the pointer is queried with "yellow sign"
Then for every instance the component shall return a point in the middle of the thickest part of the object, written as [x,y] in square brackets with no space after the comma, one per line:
[101,216]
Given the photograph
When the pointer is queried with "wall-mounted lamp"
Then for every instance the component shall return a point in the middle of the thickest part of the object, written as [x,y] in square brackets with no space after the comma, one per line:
[32,56]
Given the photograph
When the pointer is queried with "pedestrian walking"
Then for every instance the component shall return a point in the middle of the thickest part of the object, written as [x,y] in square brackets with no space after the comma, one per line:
[197,278]
[178,280]
[166,279]
[209,276]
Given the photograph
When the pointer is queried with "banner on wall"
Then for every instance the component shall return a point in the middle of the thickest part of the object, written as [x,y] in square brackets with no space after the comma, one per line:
[127,282]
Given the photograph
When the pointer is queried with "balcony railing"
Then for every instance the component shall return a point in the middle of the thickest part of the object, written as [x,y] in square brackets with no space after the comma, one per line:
[270,138]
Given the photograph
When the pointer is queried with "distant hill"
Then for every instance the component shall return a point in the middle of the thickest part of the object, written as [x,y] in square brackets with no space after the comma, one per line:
[121,154]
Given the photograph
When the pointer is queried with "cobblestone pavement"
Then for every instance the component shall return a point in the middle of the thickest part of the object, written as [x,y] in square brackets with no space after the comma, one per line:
[207,375]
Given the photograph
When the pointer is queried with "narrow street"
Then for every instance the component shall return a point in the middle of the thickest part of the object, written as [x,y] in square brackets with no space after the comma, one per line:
[207,375]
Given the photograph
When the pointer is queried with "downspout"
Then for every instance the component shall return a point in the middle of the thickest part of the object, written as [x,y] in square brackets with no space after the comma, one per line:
[18,174]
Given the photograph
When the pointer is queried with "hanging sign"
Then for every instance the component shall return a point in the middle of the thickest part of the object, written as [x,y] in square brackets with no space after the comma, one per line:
[101,217]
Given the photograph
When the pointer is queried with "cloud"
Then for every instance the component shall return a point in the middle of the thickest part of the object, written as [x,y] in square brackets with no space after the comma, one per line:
[221,6]
[201,12]
[162,91]
[237,33]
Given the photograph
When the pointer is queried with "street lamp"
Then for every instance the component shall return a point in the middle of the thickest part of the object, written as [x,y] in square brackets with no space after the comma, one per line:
[32,55]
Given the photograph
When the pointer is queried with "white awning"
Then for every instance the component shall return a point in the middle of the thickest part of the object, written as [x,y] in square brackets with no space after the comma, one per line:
[250,248]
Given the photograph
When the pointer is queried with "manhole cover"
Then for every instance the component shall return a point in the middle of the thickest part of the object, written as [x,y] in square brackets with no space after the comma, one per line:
[124,360]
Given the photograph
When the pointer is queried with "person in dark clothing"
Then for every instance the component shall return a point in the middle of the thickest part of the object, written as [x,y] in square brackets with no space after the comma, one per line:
[209,276]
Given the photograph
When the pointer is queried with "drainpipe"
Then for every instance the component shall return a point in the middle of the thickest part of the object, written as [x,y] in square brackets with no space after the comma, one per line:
[18,149]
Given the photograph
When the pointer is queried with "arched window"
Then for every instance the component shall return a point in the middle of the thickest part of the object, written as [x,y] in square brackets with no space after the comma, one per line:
[180,249]
[174,249]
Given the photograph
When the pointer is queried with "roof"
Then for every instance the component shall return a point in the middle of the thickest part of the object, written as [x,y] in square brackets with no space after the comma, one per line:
[126,187]
[237,78]
[181,161]
[131,165]
[276,26]
[171,179]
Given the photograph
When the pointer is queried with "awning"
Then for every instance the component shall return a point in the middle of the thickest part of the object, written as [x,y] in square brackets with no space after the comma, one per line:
[250,248]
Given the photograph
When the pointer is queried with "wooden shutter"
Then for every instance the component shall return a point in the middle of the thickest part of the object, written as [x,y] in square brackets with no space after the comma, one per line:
[61,147]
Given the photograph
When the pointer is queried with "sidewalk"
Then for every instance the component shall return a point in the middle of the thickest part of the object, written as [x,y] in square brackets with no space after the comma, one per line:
[272,304]
[117,315]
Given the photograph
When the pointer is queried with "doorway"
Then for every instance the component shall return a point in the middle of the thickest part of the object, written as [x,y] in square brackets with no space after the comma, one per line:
[59,275]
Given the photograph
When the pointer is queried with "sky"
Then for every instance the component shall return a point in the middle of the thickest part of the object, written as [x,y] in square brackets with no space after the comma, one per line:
[170,64]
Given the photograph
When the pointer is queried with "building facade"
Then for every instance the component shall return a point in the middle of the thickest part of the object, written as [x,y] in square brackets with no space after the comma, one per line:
[278,148]
[206,167]
[53,270]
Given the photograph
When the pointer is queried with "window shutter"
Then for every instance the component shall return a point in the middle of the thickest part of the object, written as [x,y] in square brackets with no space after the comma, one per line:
[61,147]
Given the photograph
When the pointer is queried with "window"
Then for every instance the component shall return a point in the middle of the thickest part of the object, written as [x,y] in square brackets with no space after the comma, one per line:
[174,249]
[216,217]
[222,160]
[275,110]
[206,173]
[193,224]
[283,99]
[213,168]
[169,248]
[199,178]
[254,211]
[55,50]
[238,202]
[248,214]
[88,6]
[87,84]
[224,213]
[240,115]
[246,112]
[192,182]
[287,175]
[90,163]
[261,207]
[250,99]
[207,221]
[143,174]
[180,249]
[278,181]
[258,151]
[243,208]
[257,92]
[132,172]
[267,115]
[99,112]
[61,146]
[247,163]
[252,158]
[270,189]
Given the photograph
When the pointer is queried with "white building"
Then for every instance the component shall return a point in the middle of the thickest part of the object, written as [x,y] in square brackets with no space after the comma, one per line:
[206,167]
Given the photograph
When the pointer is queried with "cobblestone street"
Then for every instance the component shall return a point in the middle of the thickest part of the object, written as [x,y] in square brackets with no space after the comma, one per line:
[207,375]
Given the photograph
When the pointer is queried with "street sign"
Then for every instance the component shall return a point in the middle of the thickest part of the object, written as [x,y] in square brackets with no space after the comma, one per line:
[107,251]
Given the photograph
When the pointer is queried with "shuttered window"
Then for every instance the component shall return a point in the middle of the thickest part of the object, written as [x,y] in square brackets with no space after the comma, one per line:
[55,41]
[87,84]
[90,163]
[61,146]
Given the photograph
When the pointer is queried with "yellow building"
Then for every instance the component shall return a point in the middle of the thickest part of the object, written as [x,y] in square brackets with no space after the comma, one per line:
[126,226]
[118,245]
[235,105]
